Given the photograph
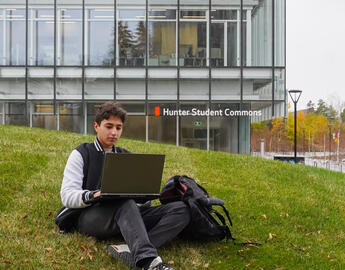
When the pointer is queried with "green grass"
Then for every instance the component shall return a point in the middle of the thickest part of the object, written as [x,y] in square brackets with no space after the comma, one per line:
[301,207]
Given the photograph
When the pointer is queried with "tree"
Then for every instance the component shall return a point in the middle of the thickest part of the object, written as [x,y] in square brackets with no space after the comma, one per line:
[140,40]
[342,116]
[325,110]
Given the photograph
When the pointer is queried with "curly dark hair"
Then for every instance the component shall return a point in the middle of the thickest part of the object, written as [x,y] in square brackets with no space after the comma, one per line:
[110,108]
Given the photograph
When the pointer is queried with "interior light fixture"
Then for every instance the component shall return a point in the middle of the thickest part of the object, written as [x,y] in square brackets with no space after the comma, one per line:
[193,17]
[11,9]
[157,17]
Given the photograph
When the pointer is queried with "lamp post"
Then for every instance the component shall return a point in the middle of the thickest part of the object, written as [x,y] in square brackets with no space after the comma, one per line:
[295,95]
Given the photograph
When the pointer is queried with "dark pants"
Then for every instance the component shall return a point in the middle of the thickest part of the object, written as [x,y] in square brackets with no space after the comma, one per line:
[144,230]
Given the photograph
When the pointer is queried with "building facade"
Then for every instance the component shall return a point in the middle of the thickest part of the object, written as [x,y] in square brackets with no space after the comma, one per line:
[60,59]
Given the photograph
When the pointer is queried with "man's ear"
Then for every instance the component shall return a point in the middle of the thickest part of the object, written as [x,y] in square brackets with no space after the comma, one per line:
[95,126]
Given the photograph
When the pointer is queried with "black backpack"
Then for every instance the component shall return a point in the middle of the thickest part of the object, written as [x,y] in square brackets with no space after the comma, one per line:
[206,224]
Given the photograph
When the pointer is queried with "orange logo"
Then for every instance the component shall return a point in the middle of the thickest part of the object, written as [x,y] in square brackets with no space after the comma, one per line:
[157,111]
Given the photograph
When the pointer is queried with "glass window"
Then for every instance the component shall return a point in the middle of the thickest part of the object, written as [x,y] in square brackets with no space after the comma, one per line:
[279,84]
[69,83]
[69,34]
[1,37]
[12,83]
[162,42]
[130,89]
[164,89]
[221,14]
[224,129]
[99,83]
[193,129]
[279,28]
[261,19]
[193,33]
[100,37]
[43,116]
[71,117]
[15,36]
[162,128]
[191,89]
[16,114]
[41,36]
[193,44]
[132,43]
[41,83]
[257,84]
[135,128]
[131,33]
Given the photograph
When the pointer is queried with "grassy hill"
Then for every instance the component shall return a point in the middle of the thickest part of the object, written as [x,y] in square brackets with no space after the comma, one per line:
[295,211]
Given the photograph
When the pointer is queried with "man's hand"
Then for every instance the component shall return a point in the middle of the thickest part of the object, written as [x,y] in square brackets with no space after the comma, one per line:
[97,194]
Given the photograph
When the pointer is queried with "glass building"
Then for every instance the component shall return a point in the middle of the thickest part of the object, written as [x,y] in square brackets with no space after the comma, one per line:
[60,59]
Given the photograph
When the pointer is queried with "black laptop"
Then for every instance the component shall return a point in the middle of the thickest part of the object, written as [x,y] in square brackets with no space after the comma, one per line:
[134,176]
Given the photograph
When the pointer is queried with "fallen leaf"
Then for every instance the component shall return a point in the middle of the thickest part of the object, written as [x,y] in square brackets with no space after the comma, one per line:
[68,249]
[7,261]
[218,248]
[300,227]
[270,236]
[264,216]
[95,248]
[247,265]
[206,265]
[327,255]
[294,245]
[171,262]
[90,256]
[287,215]
[318,232]
[26,260]
[302,249]
[194,262]
[25,217]
[83,247]
[49,249]
[82,267]
[82,258]
[309,233]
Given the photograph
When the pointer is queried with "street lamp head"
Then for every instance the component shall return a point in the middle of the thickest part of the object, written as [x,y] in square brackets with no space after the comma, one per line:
[295,95]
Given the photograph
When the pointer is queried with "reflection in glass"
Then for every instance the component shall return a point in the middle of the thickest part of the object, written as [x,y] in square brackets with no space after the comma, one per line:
[1,35]
[162,43]
[192,44]
[41,43]
[15,37]
[132,43]
[16,114]
[101,43]
[135,127]
[217,45]
[43,116]
[71,117]
[71,37]
[193,129]
[279,28]
[262,34]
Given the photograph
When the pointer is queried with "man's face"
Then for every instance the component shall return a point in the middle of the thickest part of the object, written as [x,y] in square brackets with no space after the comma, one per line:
[109,131]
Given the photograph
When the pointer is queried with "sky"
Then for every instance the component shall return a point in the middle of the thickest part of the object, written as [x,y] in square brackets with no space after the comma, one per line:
[315,50]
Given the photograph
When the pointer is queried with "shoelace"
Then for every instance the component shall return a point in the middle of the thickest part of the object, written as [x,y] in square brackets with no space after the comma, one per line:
[163,266]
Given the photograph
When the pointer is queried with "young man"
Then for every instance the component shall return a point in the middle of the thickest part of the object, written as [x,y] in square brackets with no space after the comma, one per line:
[144,228]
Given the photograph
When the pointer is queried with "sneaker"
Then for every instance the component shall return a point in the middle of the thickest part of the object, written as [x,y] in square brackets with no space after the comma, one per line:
[122,253]
[157,264]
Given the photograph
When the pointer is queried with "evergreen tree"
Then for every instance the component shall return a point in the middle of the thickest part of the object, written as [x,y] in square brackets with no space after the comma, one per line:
[140,40]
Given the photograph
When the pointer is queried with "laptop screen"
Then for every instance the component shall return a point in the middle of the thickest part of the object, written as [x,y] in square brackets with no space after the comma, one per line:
[136,174]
